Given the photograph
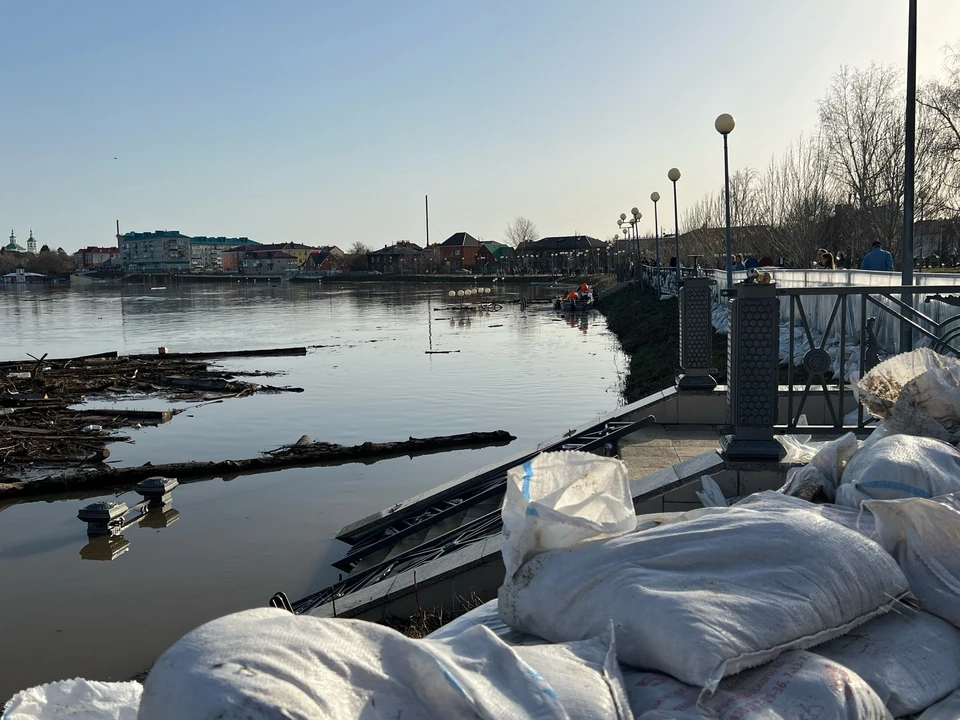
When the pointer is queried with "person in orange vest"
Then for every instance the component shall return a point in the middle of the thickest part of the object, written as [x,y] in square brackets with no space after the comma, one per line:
[572,295]
[584,288]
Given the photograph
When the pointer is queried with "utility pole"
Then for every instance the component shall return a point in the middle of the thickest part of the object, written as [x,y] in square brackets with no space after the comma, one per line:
[426,211]
[906,332]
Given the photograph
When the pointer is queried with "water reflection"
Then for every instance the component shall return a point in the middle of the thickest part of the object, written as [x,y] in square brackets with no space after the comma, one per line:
[231,545]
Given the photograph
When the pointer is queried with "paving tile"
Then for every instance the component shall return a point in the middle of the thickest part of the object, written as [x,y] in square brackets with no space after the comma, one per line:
[652,483]
[706,463]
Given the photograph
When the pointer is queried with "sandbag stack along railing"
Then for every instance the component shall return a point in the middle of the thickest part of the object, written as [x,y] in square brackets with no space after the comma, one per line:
[663,280]
[828,338]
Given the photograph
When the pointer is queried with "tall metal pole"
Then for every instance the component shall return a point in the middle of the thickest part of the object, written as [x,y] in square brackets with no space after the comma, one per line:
[426,215]
[676,232]
[726,182]
[906,334]
[656,234]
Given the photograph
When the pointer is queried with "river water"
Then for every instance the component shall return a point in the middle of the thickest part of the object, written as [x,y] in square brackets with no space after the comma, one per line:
[234,543]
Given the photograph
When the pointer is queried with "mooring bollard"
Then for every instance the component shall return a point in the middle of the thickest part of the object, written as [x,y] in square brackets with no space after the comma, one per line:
[753,363]
[109,517]
[156,490]
[696,335]
[102,517]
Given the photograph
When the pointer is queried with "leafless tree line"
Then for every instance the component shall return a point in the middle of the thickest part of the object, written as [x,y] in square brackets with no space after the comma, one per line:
[842,187]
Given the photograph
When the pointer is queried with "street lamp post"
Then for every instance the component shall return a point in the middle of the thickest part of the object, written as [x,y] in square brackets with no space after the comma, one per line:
[724,125]
[636,230]
[655,196]
[906,271]
[673,175]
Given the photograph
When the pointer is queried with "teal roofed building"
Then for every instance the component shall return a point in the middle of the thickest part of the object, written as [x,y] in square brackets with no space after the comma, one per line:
[12,245]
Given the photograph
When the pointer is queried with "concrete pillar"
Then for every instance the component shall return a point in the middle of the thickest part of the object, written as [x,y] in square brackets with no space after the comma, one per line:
[753,361]
[696,335]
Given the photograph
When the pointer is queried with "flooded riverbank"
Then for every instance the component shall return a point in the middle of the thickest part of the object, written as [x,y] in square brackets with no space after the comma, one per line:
[232,544]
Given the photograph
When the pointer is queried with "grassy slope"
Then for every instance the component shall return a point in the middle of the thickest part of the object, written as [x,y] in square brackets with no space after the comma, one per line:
[649,333]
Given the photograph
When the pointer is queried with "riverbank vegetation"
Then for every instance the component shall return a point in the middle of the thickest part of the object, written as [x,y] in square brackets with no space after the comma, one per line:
[649,333]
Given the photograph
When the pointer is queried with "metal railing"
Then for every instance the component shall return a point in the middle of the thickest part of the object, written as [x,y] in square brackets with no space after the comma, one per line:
[861,327]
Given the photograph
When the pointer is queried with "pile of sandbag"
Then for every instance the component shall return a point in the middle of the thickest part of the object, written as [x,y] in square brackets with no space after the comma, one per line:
[759,609]
[772,607]
[917,393]
[268,663]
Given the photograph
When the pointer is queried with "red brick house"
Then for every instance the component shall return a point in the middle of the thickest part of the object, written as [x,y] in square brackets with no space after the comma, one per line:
[458,251]
[326,260]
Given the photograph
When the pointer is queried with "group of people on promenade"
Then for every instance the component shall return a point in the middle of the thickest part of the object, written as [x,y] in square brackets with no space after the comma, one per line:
[877,259]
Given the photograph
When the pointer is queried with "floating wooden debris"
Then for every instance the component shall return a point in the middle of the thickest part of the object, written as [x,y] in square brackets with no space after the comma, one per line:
[40,425]
[302,453]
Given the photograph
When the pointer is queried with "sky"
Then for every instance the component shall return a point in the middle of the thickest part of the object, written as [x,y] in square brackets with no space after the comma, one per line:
[327,122]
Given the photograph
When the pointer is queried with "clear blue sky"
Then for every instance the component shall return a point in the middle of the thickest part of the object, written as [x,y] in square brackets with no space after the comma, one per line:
[326,122]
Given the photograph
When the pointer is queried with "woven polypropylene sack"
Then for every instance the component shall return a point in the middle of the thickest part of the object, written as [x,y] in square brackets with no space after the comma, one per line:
[77,698]
[795,686]
[911,661]
[559,499]
[268,663]
[707,597]
[924,537]
[900,466]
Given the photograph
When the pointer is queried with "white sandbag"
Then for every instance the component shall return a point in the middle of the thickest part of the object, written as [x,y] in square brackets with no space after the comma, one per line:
[946,709]
[916,393]
[824,469]
[268,663]
[900,466]
[707,597]
[924,537]
[558,499]
[851,518]
[76,699]
[584,674]
[488,616]
[910,661]
[797,685]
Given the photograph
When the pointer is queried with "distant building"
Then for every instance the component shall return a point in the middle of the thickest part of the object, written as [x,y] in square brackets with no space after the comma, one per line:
[494,257]
[21,277]
[12,245]
[206,253]
[457,251]
[90,258]
[562,254]
[232,258]
[326,261]
[268,262]
[31,243]
[160,251]
[402,258]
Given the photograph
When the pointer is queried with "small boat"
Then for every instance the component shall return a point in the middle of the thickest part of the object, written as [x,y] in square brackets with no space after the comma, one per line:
[583,303]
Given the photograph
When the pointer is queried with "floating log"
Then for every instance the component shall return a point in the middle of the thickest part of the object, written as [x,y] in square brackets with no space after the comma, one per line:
[158,416]
[267,352]
[439,352]
[297,455]
[15,363]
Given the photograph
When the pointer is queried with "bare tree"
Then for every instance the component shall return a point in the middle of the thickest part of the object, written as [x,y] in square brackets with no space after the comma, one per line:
[358,248]
[861,119]
[521,230]
[941,100]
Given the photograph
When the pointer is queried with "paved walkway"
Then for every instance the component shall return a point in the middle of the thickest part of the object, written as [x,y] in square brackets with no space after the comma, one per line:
[660,446]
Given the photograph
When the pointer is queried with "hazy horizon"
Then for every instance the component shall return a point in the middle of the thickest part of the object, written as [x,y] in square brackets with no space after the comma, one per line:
[325,124]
